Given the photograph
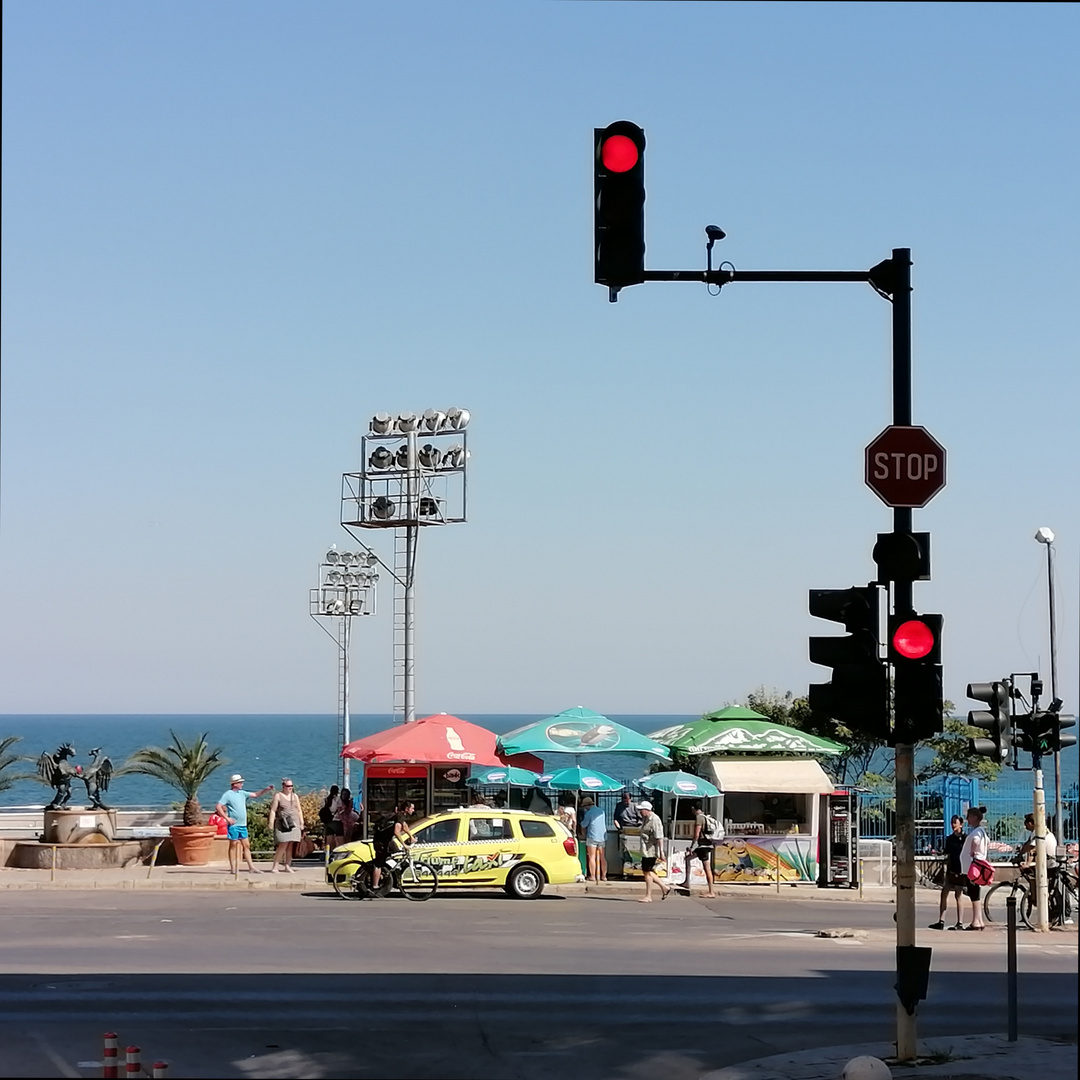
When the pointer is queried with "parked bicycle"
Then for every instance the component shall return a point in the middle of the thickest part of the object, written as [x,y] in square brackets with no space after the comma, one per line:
[414,879]
[1061,887]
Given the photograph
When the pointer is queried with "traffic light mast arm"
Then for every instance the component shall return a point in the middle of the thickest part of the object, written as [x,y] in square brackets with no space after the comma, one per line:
[725,277]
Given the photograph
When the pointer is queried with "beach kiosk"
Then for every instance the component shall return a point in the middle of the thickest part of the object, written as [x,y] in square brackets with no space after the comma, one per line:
[771,787]
[426,763]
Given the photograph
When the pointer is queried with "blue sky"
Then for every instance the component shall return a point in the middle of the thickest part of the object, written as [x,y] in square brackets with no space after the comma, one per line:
[233,232]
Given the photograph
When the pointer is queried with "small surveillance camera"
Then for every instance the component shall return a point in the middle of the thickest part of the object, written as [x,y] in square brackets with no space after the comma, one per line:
[714,233]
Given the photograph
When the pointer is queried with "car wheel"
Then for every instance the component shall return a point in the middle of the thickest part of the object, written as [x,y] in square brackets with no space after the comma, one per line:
[525,882]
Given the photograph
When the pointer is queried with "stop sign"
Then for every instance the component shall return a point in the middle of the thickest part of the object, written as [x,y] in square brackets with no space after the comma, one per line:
[905,466]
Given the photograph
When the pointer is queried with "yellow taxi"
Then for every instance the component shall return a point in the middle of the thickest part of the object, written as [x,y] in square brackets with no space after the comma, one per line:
[481,847]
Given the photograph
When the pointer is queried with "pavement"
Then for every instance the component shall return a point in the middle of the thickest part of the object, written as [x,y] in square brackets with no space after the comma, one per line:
[972,1057]
[311,874]
[258,980]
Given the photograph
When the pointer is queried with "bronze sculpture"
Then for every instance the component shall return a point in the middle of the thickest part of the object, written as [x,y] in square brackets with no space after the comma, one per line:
[55,771]
[96,777]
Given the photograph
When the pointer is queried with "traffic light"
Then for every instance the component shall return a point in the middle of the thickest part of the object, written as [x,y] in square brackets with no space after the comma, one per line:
[1040,731]
[619,222]
[915,654]
[902,557]
[858,694]
[995,720]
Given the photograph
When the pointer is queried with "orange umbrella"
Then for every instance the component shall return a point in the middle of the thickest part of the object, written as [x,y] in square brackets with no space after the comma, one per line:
[436,738]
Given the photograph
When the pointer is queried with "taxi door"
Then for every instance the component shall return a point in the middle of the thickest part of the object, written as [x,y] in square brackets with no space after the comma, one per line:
[437,843]
[490,849]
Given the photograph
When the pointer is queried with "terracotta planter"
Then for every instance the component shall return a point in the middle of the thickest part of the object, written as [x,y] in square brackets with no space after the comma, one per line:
[193,843]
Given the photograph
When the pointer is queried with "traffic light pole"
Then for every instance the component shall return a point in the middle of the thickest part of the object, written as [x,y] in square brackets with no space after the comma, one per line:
[1042,891]
[906,1037]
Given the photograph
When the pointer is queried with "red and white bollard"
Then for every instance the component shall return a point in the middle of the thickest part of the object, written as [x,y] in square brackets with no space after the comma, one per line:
[133,1067]
[161,1070]
[109,1059]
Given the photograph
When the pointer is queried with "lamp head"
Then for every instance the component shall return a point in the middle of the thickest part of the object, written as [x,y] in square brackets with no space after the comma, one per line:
[714,233]
[1045,535]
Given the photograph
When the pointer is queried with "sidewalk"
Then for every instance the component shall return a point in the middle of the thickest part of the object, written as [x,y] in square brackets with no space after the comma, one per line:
[986,1057]
[312,876]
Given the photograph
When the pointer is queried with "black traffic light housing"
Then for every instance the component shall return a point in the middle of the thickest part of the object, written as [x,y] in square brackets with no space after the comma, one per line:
[915,654]
[858,694]
[902,557]
[1040,731]
[619,209]
[994,720]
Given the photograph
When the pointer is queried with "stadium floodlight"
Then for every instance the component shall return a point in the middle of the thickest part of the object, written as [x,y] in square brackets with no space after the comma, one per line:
[429,456]
[457,418]
[381,458]
[434,419]
[381,423]
[383,508]
[407,422]
[332,556]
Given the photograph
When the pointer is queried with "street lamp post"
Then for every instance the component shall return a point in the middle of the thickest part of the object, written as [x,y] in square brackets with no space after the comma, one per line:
[1046,536]
[413,474]
[346,590]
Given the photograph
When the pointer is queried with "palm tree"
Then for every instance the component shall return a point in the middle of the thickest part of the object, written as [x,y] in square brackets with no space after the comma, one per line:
[183,766]
[7,759]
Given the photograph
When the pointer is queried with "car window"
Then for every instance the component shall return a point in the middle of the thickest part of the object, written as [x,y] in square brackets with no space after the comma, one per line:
[490,828]
[438,832]
[532,829]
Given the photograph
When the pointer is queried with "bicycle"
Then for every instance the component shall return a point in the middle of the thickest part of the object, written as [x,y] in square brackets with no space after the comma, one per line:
[415,880]
[1062,895]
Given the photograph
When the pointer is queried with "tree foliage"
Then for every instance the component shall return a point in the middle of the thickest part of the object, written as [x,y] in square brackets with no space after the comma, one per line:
[952,757]
[9,778]
[183,766]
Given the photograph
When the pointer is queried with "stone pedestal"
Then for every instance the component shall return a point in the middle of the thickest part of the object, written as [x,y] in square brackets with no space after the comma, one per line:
[80,826]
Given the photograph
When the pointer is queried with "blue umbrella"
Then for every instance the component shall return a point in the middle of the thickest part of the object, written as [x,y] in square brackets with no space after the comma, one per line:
[510,775]
[579,779]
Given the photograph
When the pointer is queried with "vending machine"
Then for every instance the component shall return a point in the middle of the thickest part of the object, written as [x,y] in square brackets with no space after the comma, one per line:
[838,861]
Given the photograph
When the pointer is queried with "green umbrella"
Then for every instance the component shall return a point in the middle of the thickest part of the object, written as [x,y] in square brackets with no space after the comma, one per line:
[682,785]
[578,731]
[740,736]
[510,775]
[579,779]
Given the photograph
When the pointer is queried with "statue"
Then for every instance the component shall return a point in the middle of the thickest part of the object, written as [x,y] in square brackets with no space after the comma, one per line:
[96,777]
[55,771]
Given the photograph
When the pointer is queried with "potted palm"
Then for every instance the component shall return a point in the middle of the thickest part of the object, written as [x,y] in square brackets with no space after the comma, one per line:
[185,767]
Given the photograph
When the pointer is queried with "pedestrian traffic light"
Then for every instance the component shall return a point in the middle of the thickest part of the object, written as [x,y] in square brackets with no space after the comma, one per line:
[915,654]
[858,694]
[1040,731]
[994,720]
[619,221]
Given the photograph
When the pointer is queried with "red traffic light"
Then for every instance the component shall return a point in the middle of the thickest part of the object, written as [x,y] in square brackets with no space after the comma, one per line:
[619,154]
[913,639]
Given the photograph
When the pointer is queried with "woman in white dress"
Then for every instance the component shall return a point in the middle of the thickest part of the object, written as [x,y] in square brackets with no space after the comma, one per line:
[976,846]
[287,824]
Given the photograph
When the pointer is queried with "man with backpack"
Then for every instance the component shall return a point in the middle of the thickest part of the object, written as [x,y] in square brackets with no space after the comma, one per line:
[706,832]
[390,836]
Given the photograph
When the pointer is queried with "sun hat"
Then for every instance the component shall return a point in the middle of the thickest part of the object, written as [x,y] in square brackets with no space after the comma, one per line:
[644,805]
[236,778]
[587,801]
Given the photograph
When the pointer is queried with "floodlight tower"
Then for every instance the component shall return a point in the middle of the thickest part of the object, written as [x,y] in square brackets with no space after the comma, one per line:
[346,589]
[413,473]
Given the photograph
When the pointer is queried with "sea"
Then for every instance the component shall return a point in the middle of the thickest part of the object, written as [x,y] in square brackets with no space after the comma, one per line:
[266,748]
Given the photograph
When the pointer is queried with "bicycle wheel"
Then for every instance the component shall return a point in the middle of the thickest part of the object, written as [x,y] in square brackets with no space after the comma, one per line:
[994,908]
[344,880]
[364,878]
[417,880]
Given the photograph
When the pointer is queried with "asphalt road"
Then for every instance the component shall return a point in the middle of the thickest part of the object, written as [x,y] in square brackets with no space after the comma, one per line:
[287,984]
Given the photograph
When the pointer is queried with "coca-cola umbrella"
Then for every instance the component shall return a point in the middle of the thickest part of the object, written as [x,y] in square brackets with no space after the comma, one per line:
[436,739]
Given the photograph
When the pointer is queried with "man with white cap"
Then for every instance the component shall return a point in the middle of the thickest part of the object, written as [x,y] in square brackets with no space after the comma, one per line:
[232,806]
[652,849]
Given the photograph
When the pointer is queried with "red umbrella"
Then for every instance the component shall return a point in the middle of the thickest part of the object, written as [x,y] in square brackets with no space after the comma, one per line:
[436,738]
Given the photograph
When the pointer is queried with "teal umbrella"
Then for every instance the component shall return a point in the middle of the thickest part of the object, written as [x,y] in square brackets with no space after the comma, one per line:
[578,731]
[682,785]
[510,775]
[578,779]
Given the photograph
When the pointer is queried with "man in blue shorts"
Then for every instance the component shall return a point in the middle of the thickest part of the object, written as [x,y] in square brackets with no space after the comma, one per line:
[232,806]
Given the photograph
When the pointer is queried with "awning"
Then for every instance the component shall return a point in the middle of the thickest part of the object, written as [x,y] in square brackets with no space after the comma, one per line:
[758,774]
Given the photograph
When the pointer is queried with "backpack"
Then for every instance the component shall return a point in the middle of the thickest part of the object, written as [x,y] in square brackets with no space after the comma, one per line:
[712,829]
[384,834]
